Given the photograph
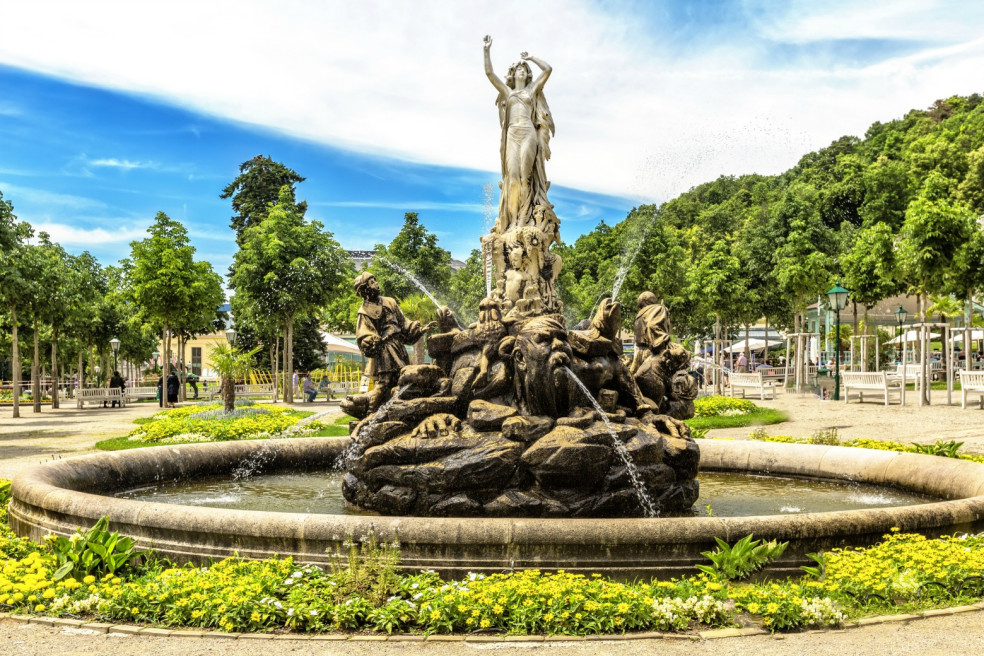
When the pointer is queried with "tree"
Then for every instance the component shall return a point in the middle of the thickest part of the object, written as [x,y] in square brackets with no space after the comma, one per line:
[256,188]
[467,287]
[417,307]
[936,228]
[414,249]
[285,269]
[162,279]
[15,283]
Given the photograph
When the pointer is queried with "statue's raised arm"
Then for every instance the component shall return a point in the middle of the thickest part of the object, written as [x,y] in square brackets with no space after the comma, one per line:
[499,85]
[541,79]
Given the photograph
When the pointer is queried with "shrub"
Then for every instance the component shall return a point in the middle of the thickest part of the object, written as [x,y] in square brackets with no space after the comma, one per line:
[96,551]
[745,557]
[722,406]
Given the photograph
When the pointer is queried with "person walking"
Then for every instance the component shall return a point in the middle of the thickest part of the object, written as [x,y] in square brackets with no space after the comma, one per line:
[173,385]
[117,382]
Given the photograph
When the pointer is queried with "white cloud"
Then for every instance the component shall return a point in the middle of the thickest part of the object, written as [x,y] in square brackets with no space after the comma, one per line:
[49,199]
[125,164]
[634,116]
[72,236]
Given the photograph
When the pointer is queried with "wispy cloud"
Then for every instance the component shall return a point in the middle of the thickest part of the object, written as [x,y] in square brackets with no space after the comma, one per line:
[409,206]
[47,199]
[125,164]
[637,114]
[73,236]
[9,109]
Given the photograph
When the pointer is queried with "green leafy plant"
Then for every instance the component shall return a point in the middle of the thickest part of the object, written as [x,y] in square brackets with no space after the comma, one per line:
[940,448]
[368,569]
[96,551]
[745,557]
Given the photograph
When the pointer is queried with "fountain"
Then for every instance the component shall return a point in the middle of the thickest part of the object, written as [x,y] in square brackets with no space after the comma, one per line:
[524,444]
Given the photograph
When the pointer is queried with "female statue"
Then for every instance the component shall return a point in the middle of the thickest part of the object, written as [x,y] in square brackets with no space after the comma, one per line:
[526,129]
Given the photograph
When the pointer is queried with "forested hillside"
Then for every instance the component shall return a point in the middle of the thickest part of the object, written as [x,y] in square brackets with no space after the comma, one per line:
[895,212]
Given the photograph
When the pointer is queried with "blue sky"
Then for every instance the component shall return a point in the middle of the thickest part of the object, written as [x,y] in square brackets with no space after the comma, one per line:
[111,112]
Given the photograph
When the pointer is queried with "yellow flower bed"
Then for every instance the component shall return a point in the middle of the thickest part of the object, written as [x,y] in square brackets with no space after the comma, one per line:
[904,571]
[209,423]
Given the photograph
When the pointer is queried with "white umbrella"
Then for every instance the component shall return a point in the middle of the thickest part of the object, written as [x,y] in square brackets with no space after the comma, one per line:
[911,336]
[338,345]
[753,345]
[958,335]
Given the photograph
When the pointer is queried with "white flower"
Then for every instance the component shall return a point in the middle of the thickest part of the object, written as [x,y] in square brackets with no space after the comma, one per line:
[290,612]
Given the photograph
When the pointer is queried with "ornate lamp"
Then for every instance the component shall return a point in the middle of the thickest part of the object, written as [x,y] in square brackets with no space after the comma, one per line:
[837,297]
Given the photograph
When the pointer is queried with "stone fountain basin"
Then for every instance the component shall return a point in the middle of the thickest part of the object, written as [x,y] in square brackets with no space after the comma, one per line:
[57,497]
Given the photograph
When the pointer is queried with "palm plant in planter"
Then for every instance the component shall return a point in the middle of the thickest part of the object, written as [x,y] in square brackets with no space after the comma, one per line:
[230,363]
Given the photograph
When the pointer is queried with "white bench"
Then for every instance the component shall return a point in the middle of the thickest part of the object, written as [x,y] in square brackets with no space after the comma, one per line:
[99,395]
[971,382]
[877,381]
[243,391]
[754,382]
[133,393]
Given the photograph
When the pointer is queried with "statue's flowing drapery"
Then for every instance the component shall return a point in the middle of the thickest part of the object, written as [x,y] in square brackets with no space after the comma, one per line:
[513,138]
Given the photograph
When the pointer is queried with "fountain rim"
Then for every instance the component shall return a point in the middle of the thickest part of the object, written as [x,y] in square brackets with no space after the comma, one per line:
[53,489]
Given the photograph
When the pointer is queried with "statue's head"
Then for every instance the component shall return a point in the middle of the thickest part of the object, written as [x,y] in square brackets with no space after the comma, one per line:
[646,298]
[366,287]
[541,356]
[519,75]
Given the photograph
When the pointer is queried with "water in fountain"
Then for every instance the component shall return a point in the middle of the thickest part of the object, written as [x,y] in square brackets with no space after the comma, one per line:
[412,278]
[623,453]
[488,214]
[354,450]
[623,271]
[255,462]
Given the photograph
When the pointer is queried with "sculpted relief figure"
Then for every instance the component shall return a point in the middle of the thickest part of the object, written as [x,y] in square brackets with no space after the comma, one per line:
[526,129]
[519,243]
[660,366]
[382,332]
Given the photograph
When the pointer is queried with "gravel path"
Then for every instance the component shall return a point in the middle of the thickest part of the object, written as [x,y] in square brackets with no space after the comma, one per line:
[872,419]
[951,635]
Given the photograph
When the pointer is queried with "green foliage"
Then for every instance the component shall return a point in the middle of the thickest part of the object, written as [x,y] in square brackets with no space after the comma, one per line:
[256,188]
[939,448]
[415,249]
[95,551]
[827,436]
[745,557]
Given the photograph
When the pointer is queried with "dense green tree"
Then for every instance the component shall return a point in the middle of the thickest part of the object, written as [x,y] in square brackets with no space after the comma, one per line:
[285,269]
[256,189]
[415,250]
[15,283]
[163,280]
[467,288]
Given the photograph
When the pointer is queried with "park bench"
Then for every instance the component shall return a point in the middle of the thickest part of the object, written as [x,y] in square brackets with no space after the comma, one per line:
[754,382]
[99,395]
[878,381]
[134,393]
[971,382]
[244,391]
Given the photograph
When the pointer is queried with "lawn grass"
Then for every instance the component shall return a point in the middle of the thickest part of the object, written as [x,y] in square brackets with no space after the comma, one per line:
[758,417]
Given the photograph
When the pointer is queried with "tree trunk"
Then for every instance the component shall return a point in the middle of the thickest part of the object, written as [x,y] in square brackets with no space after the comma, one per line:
[273,369]
[54,368]
[36,371]
[289,356]
[78,378]
[228,392]
[765,353]
[15,372]
[718,376]
[166,365]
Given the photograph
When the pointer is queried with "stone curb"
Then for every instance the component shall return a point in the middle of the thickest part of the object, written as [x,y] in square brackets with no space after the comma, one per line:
[710,634]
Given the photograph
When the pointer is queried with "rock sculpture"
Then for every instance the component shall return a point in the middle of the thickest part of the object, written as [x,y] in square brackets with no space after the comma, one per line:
[498,424]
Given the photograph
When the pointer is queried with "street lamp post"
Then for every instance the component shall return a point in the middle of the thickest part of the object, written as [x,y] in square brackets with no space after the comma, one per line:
[900,316]
[115,343]
[156,355]
[837,297]
[231,336]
